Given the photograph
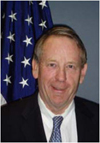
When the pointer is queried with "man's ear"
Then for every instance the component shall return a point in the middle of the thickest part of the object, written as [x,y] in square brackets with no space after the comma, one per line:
[83,73]
[35,68]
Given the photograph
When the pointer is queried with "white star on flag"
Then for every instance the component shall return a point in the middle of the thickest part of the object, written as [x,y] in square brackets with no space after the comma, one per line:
[9,58]
[29,20]
[11,37]
[12,16]
[24,82]
[42,24]
[7,80]
[43,3]
[26,62]
[27,41]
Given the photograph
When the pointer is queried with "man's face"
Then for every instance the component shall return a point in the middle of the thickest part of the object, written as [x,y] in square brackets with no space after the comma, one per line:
[59,72]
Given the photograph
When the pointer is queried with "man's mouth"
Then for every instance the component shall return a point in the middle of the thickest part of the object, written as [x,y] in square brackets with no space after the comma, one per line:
[58,89]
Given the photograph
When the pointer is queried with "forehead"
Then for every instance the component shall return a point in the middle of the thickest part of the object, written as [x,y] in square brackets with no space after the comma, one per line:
[59,43]
[60,48]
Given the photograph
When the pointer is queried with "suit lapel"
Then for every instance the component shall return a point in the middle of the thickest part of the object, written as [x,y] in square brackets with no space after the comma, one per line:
[32,126]
[83,119]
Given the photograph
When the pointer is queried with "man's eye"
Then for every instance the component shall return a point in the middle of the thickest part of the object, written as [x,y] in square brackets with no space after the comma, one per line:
[71,67]
[52,65]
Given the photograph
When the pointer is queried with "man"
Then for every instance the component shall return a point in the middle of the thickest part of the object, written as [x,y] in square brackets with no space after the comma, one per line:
[59,64]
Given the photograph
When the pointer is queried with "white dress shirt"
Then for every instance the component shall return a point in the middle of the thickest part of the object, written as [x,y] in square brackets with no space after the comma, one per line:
[68,126]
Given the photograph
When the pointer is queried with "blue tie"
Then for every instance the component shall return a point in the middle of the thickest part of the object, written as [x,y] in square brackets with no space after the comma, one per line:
[56,134]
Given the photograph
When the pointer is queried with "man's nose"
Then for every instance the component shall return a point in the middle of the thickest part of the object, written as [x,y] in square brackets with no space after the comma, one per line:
[61,75]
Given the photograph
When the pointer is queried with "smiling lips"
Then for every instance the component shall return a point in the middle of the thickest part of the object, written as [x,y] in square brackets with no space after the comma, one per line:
[58,89]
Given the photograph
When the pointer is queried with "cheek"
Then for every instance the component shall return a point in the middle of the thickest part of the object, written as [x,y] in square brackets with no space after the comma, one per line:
[45,75]
[73,79]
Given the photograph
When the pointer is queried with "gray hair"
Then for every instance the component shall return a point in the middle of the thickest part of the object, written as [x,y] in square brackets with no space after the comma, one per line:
[61,30]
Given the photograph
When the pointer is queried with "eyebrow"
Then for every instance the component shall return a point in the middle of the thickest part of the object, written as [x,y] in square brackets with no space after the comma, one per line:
[74,63]
[69,62]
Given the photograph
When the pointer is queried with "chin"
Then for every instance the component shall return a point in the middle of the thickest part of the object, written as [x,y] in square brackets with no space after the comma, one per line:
[58,103]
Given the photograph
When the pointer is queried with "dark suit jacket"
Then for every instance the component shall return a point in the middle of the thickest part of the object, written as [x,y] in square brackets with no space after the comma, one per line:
[21,121]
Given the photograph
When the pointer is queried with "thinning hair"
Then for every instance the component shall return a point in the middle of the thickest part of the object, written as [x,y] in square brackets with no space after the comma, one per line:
[60,30]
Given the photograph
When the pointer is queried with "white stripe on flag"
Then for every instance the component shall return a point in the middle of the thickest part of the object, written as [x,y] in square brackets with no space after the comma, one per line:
[3,101]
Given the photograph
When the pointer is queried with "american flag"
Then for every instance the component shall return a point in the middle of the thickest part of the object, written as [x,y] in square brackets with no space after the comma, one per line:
[22,24]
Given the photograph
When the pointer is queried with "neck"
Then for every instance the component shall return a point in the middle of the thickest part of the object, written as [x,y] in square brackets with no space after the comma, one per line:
[57,110]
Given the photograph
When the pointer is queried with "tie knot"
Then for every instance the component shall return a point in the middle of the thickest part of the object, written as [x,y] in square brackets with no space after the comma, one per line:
[57,120]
